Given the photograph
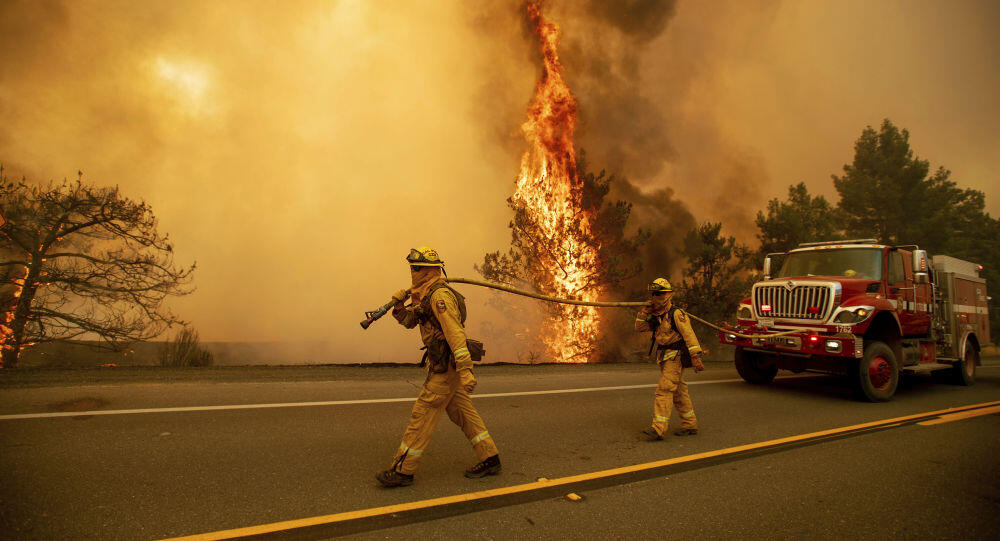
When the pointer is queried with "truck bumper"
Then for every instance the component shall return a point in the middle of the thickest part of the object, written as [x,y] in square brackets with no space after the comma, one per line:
[801,344]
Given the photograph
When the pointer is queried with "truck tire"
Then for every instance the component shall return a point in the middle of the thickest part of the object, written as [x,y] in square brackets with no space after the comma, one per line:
[877,373]
[964,372]
[754,367]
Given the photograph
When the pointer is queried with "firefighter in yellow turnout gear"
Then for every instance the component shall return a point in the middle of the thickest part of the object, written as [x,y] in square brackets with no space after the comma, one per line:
[439,312]
[675,346]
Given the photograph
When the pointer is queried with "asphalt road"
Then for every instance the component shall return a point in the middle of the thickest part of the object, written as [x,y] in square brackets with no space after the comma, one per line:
[169,473]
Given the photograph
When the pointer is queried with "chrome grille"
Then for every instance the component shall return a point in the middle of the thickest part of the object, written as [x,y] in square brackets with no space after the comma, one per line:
[794,302]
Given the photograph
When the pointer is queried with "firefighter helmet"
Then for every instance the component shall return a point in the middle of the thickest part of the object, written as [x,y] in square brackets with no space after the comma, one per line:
[660,285]
[424,256]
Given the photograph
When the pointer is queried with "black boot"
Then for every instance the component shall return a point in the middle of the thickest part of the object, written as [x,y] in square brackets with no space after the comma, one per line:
[392,478]
[651,434]
[490,466]
[686,432]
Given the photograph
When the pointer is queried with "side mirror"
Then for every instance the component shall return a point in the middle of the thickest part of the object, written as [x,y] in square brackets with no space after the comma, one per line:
[921,272]
[767,268]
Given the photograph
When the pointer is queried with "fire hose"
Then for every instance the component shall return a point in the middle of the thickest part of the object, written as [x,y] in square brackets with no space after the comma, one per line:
[372,316]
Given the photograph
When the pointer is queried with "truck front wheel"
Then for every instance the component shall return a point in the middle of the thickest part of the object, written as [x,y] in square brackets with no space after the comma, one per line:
[877,373]
[754,367]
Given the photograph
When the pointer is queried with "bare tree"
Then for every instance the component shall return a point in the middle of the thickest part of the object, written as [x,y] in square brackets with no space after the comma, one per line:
[82,262]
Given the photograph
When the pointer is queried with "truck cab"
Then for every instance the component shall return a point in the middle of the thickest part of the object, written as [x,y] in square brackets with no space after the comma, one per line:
[863,309]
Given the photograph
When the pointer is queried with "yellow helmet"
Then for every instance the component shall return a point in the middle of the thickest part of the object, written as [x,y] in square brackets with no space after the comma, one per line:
[424,256]
[660,284]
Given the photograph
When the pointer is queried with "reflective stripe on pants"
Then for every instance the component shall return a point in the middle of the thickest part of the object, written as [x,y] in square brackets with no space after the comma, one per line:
[441,392]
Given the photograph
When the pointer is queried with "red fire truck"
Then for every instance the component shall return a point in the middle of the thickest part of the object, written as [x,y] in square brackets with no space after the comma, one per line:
[865,310]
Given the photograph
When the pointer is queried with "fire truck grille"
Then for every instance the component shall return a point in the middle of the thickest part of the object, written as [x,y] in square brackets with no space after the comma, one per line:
[810,302]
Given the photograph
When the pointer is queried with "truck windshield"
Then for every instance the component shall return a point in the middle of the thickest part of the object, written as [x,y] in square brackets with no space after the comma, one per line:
[863,263]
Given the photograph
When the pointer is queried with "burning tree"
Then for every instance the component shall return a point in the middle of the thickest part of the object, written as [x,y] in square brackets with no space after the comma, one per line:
[81,261]
[560,222]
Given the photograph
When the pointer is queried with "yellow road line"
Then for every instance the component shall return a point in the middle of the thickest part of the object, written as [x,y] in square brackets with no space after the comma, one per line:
[961,415]
[547,483]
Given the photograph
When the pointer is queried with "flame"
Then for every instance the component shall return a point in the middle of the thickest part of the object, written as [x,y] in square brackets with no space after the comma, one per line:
[549,192]
[6,333]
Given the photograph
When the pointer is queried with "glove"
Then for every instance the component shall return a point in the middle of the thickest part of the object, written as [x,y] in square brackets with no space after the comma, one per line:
[400,295]
[467,379]
[696,363]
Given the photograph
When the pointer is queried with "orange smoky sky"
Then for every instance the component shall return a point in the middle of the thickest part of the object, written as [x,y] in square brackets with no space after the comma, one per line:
[297,150]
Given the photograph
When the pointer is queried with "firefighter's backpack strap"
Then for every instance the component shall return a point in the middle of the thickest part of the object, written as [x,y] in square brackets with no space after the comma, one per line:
[425,304]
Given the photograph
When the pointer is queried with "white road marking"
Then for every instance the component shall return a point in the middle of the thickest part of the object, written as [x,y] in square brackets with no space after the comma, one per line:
[341,402]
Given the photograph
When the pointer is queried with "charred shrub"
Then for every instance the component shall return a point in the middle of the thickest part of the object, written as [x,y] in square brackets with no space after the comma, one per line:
[185,350]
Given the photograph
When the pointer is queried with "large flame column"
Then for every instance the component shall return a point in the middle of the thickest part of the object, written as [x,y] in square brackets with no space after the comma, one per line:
[555,228]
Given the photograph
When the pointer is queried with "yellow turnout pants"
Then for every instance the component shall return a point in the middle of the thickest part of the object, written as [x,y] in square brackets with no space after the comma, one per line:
[672,391]
[441,392]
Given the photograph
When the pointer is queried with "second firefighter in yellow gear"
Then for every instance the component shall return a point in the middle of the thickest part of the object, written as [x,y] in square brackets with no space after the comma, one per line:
[439,312]
[675,347]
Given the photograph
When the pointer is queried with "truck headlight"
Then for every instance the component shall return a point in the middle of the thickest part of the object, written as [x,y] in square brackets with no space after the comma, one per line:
[744,313]
[850,316]
[846,317]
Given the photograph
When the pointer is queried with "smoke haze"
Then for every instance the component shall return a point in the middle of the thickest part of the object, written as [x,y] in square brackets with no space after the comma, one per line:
[297,150]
